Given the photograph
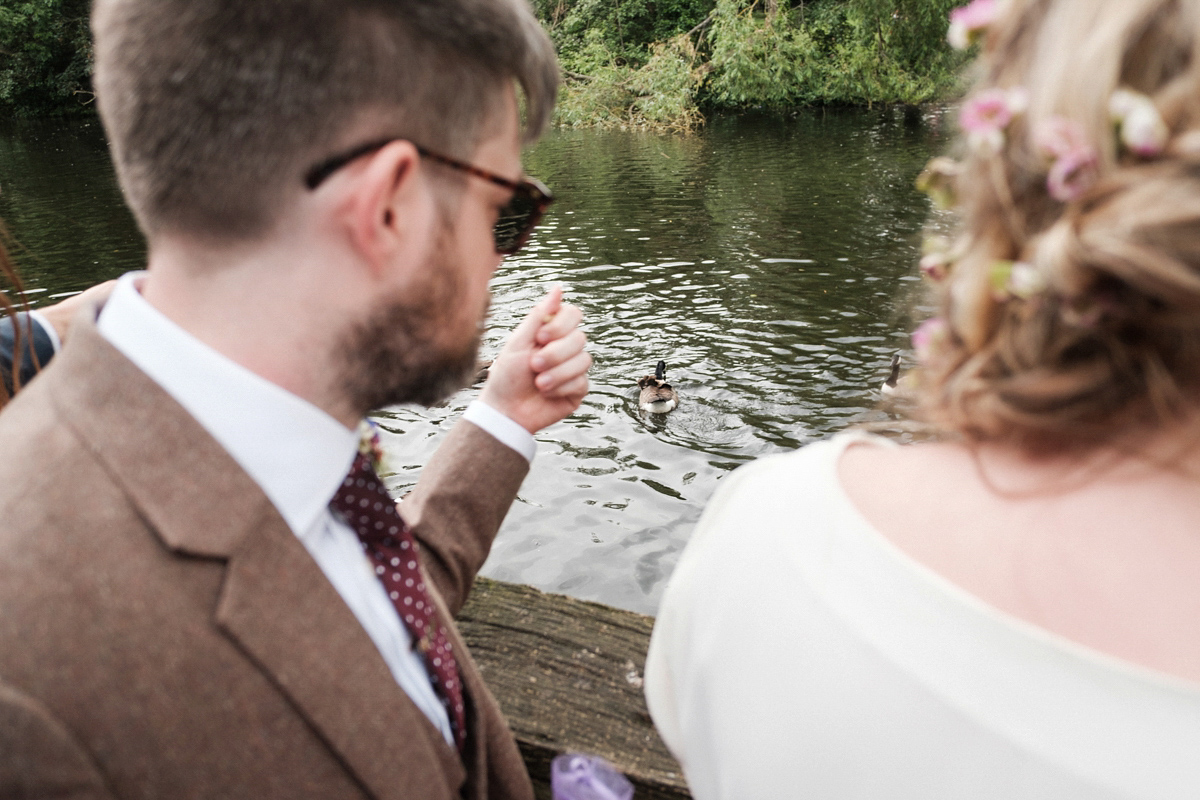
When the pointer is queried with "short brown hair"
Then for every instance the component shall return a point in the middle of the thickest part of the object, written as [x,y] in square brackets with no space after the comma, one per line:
[1111,347]
[214,108]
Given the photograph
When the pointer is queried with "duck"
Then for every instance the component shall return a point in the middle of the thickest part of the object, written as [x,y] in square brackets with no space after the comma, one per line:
[890,385]
[657,396]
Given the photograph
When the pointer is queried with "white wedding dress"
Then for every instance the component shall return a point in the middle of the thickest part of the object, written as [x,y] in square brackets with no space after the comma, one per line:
[799,654]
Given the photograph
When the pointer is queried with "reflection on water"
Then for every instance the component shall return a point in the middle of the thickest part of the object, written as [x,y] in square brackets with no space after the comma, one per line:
[768,262]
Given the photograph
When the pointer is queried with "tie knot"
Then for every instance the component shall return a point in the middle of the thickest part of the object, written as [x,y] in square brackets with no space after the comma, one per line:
[365,505]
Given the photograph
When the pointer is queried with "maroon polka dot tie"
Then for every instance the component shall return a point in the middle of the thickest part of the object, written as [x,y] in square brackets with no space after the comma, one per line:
[365,505]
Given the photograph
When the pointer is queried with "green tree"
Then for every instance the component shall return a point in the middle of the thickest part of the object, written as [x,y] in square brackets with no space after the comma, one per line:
[831,52]
[625,29]
[45,57]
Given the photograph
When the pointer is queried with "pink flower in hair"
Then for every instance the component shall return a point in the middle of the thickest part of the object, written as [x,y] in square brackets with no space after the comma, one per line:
[1142,129]
[968,23]
[985,116]
[1074,164]
[1072,175]
[935,266]
[936,258]
[927,335]
[1058,137]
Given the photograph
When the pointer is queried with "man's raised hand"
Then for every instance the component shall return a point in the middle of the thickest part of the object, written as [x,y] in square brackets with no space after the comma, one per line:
[540,375]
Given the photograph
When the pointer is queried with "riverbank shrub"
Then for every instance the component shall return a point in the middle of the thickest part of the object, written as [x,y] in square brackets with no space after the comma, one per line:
[45,57]
[658,95]
[747,54]
[624,30]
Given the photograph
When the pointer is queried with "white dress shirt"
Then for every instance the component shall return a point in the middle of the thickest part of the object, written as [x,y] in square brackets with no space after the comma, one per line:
[295,452]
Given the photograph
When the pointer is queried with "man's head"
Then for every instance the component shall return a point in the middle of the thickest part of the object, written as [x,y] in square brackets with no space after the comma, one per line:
[320,137]
[216,108]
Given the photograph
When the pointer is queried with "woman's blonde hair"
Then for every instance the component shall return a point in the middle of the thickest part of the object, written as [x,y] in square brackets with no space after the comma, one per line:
[1110,341]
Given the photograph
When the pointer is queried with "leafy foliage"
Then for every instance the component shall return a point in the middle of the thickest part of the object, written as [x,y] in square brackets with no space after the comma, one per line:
[756,59]
[660,95]
[45,57]
[773,55]
[629,63]
[891,51]
[626,29]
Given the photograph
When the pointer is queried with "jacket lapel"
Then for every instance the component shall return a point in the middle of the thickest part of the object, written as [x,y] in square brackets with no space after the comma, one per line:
[280,608]
[276,604]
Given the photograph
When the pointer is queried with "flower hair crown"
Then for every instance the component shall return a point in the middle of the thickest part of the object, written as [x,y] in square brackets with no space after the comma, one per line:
[1071,160]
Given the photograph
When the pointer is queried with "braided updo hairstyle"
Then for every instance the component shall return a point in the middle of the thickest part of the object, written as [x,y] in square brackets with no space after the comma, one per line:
[1105,339]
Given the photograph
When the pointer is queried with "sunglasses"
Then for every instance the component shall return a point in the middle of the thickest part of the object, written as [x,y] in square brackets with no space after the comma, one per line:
[518,218]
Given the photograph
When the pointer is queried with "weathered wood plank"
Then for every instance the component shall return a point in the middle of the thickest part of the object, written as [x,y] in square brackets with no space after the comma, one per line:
[567,674]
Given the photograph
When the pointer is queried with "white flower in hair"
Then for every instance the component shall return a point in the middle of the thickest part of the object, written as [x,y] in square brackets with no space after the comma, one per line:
[1141,127]
[1018,279]
[1025,280]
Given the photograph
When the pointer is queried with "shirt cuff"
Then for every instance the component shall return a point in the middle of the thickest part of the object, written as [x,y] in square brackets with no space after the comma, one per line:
[48,329]
[504,429]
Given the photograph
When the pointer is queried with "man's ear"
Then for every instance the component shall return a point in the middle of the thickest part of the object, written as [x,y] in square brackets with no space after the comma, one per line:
[387,205]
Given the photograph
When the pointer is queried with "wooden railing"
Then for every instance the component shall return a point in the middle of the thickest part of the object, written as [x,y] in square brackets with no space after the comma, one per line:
[568,676]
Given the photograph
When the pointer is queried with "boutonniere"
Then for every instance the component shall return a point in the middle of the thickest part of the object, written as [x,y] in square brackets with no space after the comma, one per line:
[370,445]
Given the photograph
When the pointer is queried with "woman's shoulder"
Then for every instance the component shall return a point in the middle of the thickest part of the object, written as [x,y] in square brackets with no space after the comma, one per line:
[777,501]
[804,476]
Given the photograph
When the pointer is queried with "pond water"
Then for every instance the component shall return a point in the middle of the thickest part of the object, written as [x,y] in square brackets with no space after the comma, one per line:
[769,262]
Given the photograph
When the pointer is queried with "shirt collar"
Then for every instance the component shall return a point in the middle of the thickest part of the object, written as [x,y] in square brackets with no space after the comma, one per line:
[293,450]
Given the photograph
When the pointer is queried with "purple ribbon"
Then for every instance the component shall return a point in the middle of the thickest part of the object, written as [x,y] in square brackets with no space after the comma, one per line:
[579,777]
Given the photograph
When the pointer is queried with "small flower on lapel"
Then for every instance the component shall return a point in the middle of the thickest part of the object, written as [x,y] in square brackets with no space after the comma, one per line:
[370,445]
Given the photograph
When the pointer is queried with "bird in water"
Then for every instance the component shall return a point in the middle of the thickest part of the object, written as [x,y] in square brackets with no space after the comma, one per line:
[889,386]
[657,396]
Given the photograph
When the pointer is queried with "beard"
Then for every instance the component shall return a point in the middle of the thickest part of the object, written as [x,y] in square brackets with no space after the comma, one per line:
[395,357]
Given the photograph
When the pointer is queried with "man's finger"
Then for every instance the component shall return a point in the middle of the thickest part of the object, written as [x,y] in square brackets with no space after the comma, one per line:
[576,389]
[558,351]
[568,317]
[569,370]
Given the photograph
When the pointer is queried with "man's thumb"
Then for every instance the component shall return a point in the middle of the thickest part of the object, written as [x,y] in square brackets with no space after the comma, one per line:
[538,316]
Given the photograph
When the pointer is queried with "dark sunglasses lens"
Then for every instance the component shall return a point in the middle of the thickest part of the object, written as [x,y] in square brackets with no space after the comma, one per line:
[516,222]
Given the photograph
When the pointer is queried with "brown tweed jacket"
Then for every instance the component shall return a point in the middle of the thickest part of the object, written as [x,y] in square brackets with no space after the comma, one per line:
[163,634]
